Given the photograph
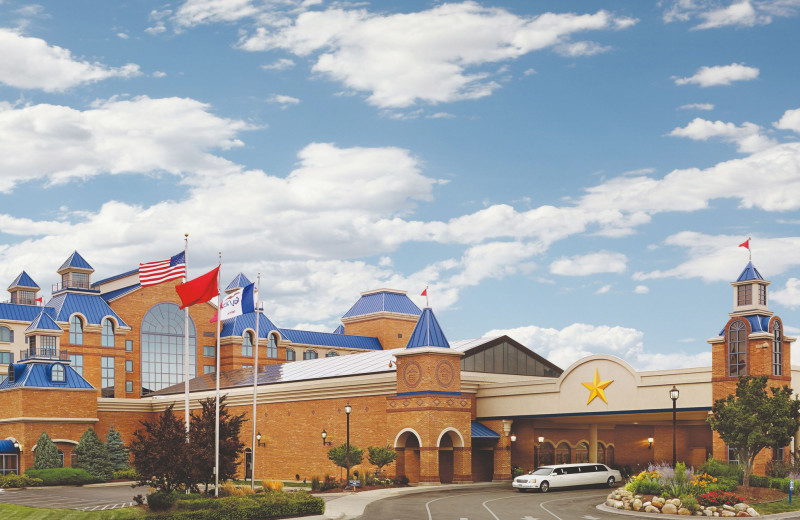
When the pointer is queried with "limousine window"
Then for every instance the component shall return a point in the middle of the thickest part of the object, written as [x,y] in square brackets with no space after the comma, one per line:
[542,471]
[573,470]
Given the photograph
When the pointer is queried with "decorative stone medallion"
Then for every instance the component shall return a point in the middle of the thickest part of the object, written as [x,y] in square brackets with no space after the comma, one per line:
[412,374]
[444,373]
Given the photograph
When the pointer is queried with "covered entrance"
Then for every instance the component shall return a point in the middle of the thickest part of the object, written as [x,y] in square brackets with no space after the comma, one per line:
[9,457]
[407,446]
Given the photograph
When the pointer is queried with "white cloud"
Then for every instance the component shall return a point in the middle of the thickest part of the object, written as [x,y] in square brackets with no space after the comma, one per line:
[714,14]
[740,14]
[122,35]
[443,60]
[789,121]
[529,72]
[281,64]
[283,100]
[592,263]
[33,64]
[159,74]
[197,12]
[789,295]
[641,289]
[748,137]
[603,290]
[697,106]
[720,75]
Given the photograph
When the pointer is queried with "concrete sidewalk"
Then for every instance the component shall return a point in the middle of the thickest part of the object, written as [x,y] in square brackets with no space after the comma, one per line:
[351,505]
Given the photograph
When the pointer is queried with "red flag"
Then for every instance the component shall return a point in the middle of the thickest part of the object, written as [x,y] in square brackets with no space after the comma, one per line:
[425,292]
[199,290]
[38,300]
[214,319]
[746,244]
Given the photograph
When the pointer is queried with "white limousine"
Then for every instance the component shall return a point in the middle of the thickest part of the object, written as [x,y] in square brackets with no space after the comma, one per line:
[563,475]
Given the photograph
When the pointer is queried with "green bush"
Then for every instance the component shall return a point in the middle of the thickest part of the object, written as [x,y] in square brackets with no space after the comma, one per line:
[128,474]
[759,481]
[690,503]
[269,505]
[718,469]
[45,455]
[778,469]
[314,483]
[13,480]
[62,476]
[161,501]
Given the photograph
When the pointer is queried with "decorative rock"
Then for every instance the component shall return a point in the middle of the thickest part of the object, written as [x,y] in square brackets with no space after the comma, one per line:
[675,502]
[683,511]
[658,502]
[669,509]
[752,512]
[726,507]
[619,505]
[742,513]
[647,504]
[651,509]
[741,506]
[637,504]
[727,513]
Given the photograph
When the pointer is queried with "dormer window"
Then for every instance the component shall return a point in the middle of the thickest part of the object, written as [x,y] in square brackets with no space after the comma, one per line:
[737,349]
[57,373]
[762,294]
[247,344]
[23,297]
[744,294]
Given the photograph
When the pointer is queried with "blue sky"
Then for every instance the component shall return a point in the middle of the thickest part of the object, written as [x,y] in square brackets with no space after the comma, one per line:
[576,176]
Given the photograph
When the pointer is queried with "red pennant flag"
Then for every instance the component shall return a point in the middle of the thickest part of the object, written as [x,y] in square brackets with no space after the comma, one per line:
[199,290]
[745,244]
[425,292]
[39,299]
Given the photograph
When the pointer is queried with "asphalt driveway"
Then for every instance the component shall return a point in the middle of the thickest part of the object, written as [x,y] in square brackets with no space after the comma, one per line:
[84,498]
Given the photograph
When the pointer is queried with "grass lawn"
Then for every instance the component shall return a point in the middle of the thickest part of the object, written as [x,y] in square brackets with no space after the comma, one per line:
[12,512]
[783,506]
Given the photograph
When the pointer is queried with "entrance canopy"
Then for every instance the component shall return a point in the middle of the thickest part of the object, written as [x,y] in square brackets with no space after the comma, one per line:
[7,447]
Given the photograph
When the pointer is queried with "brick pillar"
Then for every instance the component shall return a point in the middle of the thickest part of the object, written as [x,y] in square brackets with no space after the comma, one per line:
[462,465]
[428,465]
[400,462]
[592,443]
[502,460]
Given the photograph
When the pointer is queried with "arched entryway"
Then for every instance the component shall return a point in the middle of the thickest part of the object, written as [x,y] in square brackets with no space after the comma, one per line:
[407,445]
[451,451]
[547,454]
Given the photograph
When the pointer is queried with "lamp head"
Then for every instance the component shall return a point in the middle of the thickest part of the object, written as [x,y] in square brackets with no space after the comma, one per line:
[650,440]
[541,440]
[513,437]
[674,393]
[348,408]
[258,436]
[324,435]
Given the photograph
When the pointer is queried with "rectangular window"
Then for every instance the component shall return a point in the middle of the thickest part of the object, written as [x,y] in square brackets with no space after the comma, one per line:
[23,297]
[107,376]
[209,351]
[76,360]
[251,368]
[129,387]
[128,366]
[6,358]
[247,350]
[732,456]
[128,345]
[208,369]
[208,334]
[762,294]
[744,294]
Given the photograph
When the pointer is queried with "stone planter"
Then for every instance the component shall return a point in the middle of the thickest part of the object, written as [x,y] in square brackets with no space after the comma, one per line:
[627,501]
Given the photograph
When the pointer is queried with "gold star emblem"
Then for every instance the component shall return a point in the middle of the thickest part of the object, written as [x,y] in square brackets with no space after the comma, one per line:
[596,388]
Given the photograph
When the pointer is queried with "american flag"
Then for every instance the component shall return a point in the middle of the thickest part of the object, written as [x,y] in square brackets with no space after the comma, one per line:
[153,273]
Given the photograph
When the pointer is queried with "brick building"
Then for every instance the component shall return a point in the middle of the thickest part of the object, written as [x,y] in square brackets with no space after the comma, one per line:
[112,353]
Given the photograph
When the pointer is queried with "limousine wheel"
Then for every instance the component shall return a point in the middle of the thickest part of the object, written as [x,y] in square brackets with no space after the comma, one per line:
[544,487]
[611,481]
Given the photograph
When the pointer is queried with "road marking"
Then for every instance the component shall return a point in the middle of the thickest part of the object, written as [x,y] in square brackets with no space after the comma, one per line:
[528,518]
[587,517]
[427,504]
[560,500]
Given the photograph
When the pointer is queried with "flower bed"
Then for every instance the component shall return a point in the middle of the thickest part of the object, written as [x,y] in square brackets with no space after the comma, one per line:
[627,501]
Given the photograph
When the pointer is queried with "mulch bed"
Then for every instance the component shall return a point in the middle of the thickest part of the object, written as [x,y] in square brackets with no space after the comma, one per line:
[757,495]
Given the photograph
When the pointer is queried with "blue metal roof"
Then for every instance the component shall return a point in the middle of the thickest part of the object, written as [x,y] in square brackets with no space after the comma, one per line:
[112,278]
[7,447]
[23,281]
[339,330]
[43,322]
[383,301]
[37,375]
[750,273]
[111,295]
[427,332]
[92,306]
[76,261]
[18,312]
[238,282]
[326,339]
[236,326]
[480,431]
[758,323]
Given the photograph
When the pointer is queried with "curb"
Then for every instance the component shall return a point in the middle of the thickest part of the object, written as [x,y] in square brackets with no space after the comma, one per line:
[606,509]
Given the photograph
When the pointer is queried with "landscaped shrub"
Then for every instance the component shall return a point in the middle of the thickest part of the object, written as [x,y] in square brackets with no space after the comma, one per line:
[402,481]
[62,476]
[719,498]
[719,469]
[645,483]
[128,474]
[229,489]
[724,484]
[161,501]
[689,502]
[118,454]
[270,505]
[13,480]
[314,483]
[759,481]
[45,455]
[272,485]
[700,483]
[91,455]
[778,469]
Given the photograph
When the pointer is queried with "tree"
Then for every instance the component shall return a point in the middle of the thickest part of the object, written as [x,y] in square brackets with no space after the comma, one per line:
[201,450]
[92,456]
[46,453]
[117,452]
[160,453]
[752,420]
[338,454]
[381,456]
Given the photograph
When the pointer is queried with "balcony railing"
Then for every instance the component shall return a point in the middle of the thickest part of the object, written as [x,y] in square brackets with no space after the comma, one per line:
[48,354]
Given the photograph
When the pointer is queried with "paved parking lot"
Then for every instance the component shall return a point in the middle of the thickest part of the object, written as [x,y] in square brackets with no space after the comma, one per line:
[85,498]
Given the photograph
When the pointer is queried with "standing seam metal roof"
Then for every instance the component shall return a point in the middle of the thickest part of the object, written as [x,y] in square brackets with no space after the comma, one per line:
[238,282]
[326,339]
[236,326]
[19,312]
[383,301]
[43,322]
[92,306]
[23,281]
[427,332]
[75,260]
[750,273]
[37,375]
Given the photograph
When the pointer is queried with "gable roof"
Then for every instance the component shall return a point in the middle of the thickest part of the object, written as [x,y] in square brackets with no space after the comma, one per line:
[43,322]
[92,306]
[750,273]
[116,293]
[427,332]
[238,282]
[23,281]
[339,330]
[383,300]
[75,261]
[37,375]
[327,339]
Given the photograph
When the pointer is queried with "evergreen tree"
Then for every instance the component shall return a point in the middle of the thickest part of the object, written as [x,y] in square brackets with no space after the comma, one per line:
[117,452]
[161,454]
[202,445]
[46,455]
[92,456]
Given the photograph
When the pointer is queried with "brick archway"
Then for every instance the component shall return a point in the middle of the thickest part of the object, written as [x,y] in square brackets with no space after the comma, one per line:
[407,444]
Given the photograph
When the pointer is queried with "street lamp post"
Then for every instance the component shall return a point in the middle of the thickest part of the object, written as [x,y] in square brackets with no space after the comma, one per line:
[674,394]
[347,410]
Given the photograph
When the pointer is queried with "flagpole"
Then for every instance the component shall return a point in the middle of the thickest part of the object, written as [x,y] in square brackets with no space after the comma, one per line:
[255,393]
[186,337]
[216,420]
[749,251]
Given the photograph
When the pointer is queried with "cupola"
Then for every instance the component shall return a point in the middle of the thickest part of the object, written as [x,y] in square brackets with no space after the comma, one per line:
[75,274]
[23,290]
[750,293]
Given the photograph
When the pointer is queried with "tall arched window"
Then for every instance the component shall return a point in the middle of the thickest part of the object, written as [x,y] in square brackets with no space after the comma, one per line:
[61,457]
[290,355]
[272,347]
[601,453]
[309,354]
[108,333]
[582,452]
[6,334]
[57,373]
[563,453]
[162,345]
[76,330]
[547,454]
[247,344]
[777,349]
[737,349]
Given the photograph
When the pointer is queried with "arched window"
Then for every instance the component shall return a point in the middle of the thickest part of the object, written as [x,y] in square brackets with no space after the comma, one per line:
[108,333]
[609,456]
[290,355]
[162,346]
[76,330]
[777,349]
[582,452]
[310,354]
[737,349]
[332,354]
[601,453]
[547,454]
[247,344]
[57,373]
[272,347]
[248,463]
[6,334]
[61,457]
[563,453]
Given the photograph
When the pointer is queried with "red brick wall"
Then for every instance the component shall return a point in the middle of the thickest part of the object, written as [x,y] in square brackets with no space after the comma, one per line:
[391,332]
